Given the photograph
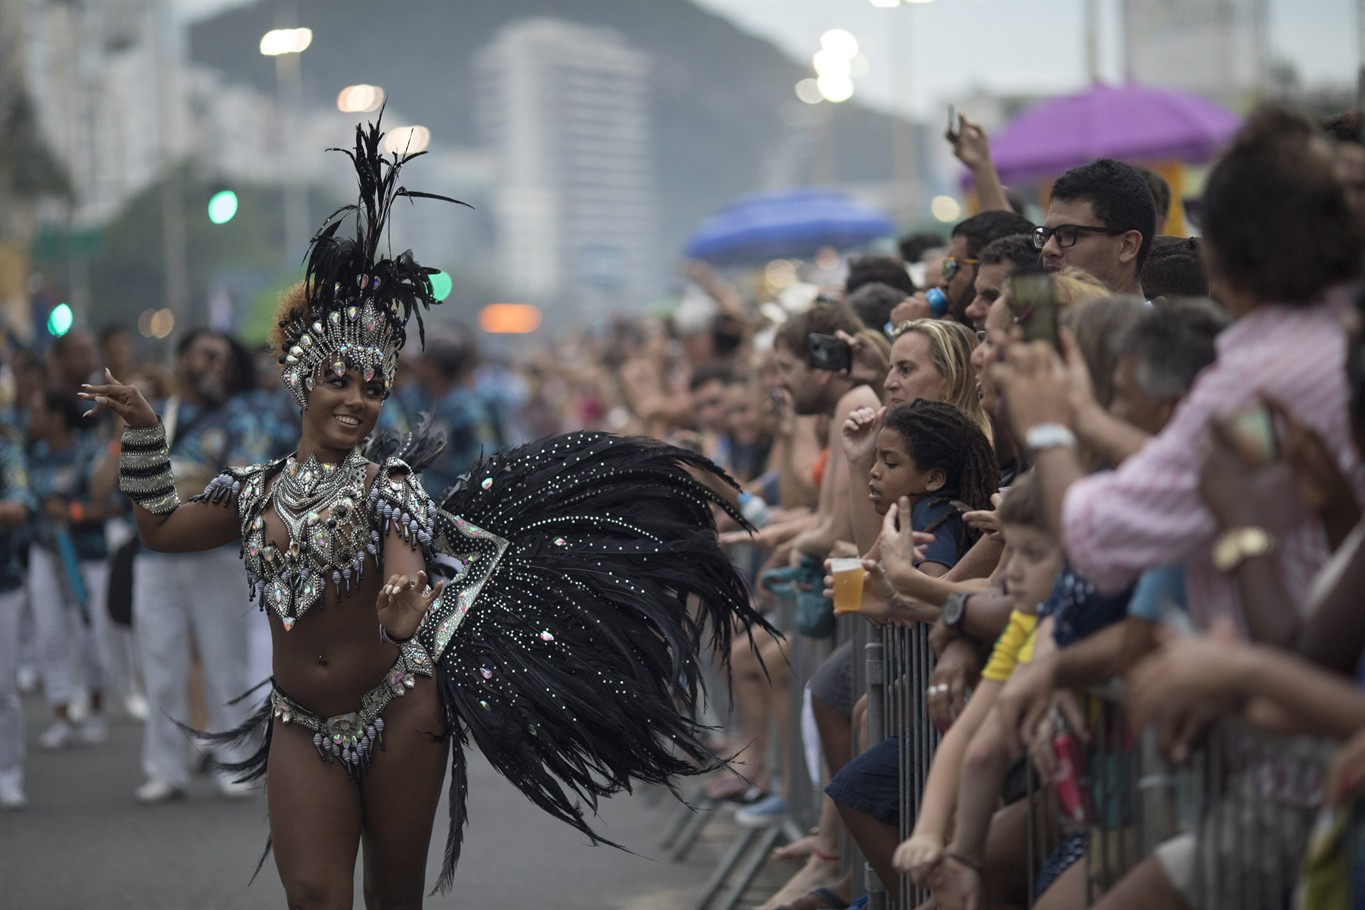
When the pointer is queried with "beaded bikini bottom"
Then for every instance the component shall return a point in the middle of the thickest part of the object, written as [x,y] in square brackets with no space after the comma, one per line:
[351,738]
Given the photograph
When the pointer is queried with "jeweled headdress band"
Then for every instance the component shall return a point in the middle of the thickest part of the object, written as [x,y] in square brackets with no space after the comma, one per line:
[356,306]
[356,336]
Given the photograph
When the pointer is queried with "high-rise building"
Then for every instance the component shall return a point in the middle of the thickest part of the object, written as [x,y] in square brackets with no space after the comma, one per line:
[1215,48]
[109,105]
[563,111]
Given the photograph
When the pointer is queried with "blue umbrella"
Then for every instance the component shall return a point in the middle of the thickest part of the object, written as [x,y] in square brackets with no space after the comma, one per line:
[786,224]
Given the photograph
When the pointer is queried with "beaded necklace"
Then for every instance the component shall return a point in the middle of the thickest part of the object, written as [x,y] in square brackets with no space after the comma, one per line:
[317,503]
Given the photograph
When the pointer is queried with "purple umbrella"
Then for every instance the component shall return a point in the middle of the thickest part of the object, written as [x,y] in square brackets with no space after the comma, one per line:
[1130,122]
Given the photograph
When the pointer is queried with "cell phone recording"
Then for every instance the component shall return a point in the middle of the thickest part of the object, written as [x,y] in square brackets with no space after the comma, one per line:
[1033,300]
[828,353]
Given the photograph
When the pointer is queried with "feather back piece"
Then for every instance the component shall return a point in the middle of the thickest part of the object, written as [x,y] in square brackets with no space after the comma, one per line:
[577,670]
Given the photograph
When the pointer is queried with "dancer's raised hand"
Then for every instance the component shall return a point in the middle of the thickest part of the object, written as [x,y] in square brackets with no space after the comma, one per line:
[403,601]
[124,400]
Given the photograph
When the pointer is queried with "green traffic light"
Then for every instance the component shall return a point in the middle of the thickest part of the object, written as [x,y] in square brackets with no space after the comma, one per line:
[441,285]
[59,321]
[222,206]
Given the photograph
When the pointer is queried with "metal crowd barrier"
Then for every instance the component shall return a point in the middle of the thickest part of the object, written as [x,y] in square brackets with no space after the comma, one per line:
[1237,818]
[899,661]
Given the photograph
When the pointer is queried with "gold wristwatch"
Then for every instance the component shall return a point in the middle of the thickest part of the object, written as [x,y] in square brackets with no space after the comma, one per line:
[1236,545]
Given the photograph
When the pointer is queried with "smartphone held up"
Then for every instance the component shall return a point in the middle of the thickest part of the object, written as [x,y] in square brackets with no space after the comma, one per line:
[828,353]
[1034,302]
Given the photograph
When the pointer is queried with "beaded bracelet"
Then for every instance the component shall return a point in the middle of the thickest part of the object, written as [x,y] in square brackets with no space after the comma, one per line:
[144,469]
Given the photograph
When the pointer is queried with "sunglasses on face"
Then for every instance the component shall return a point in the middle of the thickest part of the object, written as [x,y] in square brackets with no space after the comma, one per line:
[952,264]
[1068,234]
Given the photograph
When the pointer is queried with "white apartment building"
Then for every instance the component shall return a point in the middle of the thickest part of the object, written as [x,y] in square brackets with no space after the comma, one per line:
[563,111]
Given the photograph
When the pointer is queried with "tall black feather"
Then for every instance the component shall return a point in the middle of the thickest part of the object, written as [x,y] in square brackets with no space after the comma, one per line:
[340,268]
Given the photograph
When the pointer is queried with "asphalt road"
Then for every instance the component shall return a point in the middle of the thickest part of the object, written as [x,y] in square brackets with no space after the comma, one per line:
[84,843]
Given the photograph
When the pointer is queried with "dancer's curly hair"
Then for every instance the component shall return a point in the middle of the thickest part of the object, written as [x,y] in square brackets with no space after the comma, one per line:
[292,301]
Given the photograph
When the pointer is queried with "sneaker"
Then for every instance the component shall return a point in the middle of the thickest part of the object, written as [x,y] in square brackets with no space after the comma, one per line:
[12,791]
[763,813]
[94,730]
[234,790]
[58,736]
[155,791]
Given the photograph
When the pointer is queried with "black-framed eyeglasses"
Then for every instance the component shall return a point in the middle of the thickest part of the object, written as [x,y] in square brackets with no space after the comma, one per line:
[1068,234]
[952,264]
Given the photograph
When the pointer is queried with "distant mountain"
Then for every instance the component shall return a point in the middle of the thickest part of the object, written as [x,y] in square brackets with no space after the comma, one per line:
[719,94]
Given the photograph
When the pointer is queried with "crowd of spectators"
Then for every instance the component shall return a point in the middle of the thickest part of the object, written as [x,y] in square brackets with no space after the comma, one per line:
[1080,450]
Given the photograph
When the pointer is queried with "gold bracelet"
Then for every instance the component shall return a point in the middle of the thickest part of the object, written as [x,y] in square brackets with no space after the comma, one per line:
[1236,545]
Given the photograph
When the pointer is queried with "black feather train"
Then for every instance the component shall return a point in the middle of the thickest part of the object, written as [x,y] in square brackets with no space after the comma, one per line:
[577,670]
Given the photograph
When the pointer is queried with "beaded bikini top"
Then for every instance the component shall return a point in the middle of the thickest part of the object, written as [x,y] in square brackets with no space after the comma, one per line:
[334,525]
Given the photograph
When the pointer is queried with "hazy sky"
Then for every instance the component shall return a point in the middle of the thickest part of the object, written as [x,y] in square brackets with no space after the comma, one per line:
[947,47]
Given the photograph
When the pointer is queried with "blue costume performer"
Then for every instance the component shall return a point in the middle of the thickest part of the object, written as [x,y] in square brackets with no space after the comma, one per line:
[582,583]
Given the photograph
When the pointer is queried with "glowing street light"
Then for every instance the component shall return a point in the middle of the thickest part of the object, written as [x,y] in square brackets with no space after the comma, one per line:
[60,320]
[222,206]
[360,99]
[828,63]
[945,208]
[835,88]
[509,318]
[839,42]
[836,63]
[407,140]
[287,45]
[809,92]
[441,285]
[280,41]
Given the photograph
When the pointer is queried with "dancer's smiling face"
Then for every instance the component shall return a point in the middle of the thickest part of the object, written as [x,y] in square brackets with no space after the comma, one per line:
[342,410]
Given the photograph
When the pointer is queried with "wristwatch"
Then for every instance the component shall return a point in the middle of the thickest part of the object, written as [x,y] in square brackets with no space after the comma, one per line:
[1049,436]
[955,611]
[1236,545]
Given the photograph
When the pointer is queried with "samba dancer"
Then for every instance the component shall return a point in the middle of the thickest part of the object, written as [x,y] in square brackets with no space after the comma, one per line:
[565,645]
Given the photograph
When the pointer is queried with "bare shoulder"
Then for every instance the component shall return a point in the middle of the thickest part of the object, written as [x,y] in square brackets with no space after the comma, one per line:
[861,396]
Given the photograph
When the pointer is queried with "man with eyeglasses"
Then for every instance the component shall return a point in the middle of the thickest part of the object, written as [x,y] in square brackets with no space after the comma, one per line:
[1101,219]
[958,278]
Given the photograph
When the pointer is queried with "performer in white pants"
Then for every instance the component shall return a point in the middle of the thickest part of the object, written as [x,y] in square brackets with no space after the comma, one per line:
[198,599]
[11,708]
[73,653]
[179,598]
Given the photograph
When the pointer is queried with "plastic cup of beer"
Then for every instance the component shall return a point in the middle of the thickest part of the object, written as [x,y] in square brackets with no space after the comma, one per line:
[848,584]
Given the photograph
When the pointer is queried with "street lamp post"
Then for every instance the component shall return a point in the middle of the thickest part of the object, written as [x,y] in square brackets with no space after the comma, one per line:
[285,45]
[904,166]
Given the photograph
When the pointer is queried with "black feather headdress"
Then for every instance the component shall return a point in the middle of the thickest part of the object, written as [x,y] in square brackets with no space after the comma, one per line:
[357,304]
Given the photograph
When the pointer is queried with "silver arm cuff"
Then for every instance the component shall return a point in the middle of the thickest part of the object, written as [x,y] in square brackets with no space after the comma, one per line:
[144,469]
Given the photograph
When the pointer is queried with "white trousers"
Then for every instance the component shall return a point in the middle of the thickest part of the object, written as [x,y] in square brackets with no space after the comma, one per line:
[11,708]
[73,656]
[176,596]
